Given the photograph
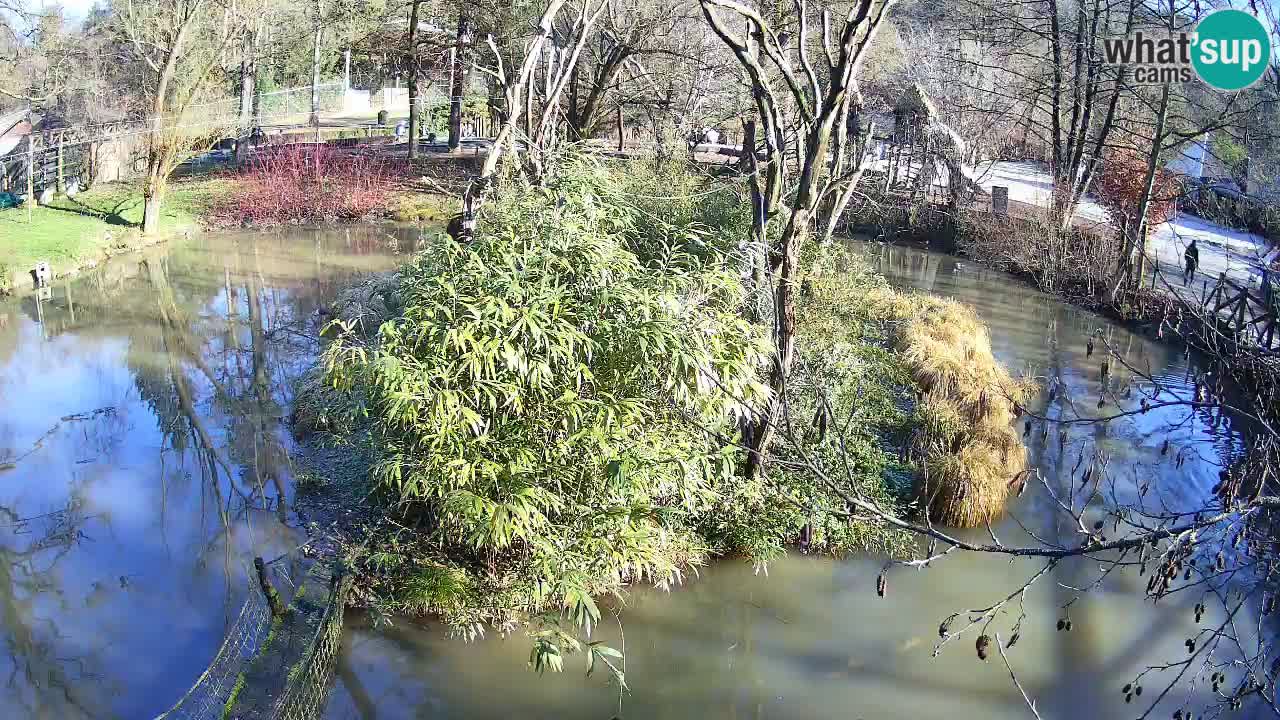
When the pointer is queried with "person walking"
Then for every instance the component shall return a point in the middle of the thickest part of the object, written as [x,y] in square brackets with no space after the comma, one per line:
[1192,258]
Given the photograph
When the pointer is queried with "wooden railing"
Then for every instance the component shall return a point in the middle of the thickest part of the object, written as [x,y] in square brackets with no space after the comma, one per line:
[1249,313]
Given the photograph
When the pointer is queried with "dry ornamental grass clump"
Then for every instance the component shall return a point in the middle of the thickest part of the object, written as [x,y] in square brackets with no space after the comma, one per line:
[968,454]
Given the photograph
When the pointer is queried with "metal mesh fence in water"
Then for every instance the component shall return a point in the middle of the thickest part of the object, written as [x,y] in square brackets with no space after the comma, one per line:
[308,682]
[208,696]
[295,673]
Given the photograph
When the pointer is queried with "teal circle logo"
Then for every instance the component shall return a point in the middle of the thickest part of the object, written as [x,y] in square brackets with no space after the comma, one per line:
[1232,49]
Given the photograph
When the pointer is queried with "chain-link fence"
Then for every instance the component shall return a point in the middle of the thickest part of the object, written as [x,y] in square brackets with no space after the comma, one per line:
[276,106]
[308,683]
[208,696]
[274,668]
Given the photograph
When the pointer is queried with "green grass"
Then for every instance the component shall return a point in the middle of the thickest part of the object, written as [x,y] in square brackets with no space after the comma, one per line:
[71,231]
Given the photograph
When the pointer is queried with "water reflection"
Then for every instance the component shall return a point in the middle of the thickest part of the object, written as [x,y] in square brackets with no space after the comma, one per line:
[812,640]
[146,459]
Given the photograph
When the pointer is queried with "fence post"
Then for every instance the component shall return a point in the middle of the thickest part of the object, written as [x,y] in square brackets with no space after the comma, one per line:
[273,597]
[31,169]
[622,143]
[59,182]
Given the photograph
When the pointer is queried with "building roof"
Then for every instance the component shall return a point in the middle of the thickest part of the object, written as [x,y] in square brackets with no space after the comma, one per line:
[14,126]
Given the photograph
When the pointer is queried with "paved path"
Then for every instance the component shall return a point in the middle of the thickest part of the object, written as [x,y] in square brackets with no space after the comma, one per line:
[1239,254]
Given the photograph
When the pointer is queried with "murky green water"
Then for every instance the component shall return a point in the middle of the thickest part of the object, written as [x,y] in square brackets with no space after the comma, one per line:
[812,639]
[125,533]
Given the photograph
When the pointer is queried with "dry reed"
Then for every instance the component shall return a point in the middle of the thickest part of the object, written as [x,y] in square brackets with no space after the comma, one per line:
[968,454]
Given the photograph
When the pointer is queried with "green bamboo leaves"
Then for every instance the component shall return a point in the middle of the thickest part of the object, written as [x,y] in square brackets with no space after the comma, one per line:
[550,400]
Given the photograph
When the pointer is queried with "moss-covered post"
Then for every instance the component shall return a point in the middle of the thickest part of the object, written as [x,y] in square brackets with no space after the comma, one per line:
[273,597]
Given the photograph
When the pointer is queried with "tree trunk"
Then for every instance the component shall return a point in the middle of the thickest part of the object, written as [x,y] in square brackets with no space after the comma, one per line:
[414,71]
[1153,167]
[1131,269]
[159,153]
[315,69]
[622,137]
[154,186]
[458,84]
[248,86]
[582,118]
[756,244]
[478,189]
[152,199]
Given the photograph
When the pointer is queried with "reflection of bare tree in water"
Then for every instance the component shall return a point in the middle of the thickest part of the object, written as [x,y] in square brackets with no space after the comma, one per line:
[216,385]
[42,680]
[244,356]
[256,429]
[366,708]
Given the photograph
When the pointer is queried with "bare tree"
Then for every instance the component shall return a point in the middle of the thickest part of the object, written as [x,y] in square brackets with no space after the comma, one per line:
[540,118]
[631,33]
[821,103]
[177,41]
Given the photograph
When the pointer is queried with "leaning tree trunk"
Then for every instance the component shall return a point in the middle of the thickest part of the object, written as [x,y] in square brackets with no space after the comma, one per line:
[1133,256]
[478,189]
[158,151]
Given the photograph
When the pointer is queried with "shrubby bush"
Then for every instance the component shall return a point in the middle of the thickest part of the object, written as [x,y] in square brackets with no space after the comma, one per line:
[555,411]
[307,183]
[550,409]
[669,215]
[848,412]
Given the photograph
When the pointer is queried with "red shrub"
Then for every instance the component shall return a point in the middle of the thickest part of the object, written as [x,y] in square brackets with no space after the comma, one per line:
[1122,183]
[306,183]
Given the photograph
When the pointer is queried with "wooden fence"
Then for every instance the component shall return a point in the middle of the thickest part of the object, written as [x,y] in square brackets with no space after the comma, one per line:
[1248,313]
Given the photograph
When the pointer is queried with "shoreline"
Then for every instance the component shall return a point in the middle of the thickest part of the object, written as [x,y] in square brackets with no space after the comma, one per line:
[19,283]
[11,285]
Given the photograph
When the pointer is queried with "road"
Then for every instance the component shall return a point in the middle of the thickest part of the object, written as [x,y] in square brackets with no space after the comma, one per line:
[1241,255]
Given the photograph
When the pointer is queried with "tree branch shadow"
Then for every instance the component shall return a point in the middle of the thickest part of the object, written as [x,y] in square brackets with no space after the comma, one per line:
[111,216]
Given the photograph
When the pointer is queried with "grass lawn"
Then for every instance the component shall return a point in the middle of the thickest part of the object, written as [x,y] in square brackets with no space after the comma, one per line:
[71,231]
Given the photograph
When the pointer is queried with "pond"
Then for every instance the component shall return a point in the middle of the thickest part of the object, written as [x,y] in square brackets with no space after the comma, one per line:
[145,418]
[142,415]
[810,638]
